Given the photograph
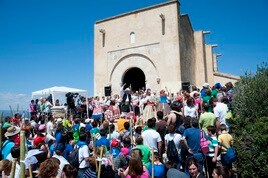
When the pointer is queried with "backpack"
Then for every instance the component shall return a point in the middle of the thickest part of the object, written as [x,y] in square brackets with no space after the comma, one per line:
[203,143]
[172,152]
[230,155]
[74,158]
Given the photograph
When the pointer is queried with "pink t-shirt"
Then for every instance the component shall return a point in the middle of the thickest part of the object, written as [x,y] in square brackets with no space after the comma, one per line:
[197,102]
[145,174]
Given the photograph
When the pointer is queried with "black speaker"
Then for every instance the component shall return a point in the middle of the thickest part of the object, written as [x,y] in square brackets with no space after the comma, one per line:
[185,86]
[107,91]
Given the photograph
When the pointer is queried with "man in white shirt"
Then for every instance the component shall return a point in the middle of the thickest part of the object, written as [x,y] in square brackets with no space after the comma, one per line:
[83,155]
[49,125]
[152,138]
[220,110]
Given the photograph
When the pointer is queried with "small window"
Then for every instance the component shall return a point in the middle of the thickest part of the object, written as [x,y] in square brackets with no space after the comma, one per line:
[132,37]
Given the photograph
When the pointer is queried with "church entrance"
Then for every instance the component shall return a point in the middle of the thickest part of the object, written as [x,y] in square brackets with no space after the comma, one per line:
[134,78]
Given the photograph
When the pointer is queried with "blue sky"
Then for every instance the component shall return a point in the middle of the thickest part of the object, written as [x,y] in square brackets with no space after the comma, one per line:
[50,43]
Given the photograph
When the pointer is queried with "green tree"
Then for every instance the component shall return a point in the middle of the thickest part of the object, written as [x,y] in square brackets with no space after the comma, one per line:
[251,124]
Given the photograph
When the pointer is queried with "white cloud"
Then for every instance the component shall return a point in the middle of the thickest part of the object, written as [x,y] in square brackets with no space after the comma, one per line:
[14,100]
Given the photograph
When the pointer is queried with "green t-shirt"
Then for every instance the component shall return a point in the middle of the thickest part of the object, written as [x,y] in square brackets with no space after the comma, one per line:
[146,153]
[206,119]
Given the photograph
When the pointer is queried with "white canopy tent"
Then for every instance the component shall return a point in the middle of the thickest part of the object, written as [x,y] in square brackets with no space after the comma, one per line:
[57,91]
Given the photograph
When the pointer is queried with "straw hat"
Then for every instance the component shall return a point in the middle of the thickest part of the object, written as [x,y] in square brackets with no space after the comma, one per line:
[11,131]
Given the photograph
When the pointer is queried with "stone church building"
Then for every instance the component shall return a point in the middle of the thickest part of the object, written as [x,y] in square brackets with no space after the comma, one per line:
[154,47]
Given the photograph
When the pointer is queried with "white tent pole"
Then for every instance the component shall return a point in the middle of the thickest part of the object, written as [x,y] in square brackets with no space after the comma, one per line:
[53,98]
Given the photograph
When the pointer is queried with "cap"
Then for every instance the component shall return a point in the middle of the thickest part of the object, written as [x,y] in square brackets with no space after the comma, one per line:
[42,127]
[114,142]
[38,140]
[59,120]
[125,151]
[87,120]
[206,85]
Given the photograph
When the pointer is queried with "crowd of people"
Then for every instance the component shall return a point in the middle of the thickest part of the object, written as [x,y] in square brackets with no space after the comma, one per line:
[136,134]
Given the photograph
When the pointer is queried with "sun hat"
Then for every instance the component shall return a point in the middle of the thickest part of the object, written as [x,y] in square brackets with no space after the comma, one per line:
[12,131]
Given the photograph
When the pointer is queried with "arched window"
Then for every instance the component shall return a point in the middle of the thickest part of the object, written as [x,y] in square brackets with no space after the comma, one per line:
[132,37]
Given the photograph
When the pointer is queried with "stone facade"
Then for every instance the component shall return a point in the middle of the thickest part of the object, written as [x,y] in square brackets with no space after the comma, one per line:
[157,40]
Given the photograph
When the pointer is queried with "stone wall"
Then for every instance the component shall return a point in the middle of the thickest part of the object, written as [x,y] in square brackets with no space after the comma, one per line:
[187,50]
[200,57]
[150,43]
[224,78]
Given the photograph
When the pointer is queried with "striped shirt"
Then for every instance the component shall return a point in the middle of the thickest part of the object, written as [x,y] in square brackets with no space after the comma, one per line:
[89,174]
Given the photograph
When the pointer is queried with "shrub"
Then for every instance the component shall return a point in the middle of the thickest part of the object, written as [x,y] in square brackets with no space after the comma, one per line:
[251,124]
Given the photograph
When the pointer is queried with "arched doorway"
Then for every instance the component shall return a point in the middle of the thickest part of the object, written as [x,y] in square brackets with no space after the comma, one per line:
[135,78]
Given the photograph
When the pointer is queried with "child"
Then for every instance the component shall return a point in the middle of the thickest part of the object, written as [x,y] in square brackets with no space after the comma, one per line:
[226,140]
[213,149]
